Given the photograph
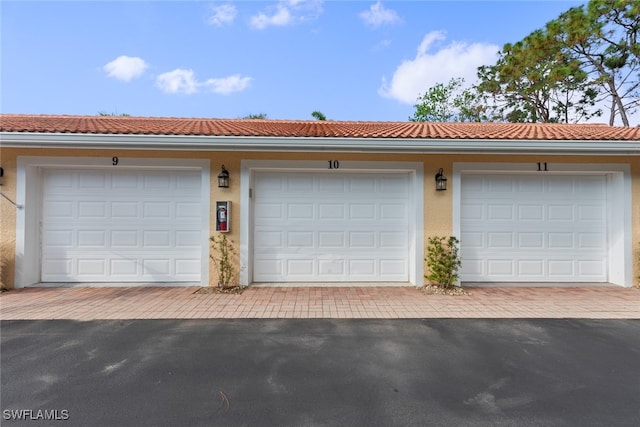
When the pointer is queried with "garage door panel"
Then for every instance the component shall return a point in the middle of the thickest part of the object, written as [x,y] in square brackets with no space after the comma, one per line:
[59,209]
[91,180]
[187,210]
[394,211]
[92,239]
[187,239]
[332,211]
[155,267]
[560,212]
[331,239]
[558,230]
[300,268]
[268,268]
[301,211]
[532,212]
[472,240]
[595,213]
[472,211]
[270,211]
[328,184]
[530,184]
[501,267]
[362,211]
[362,239]
[123,267]
[531,241]
[393,240]
[500,212]
[331,268]
[156,239]
[58,267]
[188,184]
[393,267]
[591,240]
[535,270]
[362,267]
[125,239]
[330,227]
[591,268]
[531,268]
[124,210]
[121,226]
[362,185]
[300,239]
[125,180]
[92,210]
[90,267]
[501,239]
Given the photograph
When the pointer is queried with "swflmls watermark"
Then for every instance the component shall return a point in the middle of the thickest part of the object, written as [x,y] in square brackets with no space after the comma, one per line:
[35,414]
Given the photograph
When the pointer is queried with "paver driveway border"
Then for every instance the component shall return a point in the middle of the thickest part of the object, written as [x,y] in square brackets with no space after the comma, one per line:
[89,303]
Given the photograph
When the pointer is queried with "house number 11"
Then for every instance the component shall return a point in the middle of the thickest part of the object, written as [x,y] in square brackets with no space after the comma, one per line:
[334,164]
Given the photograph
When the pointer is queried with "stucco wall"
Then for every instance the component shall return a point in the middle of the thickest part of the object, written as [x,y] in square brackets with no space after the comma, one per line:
[437,205]
[7,218]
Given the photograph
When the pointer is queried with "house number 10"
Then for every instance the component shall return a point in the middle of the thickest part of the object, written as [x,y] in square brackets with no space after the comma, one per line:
[334,164]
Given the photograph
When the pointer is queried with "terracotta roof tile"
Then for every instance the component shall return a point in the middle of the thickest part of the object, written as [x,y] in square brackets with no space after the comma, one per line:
[307,128]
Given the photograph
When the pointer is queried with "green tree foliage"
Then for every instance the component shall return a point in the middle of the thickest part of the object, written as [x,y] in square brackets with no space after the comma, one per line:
[449,102]
[559,73]
[603,36]
[318,116]
[443,261]
[115,114]
[223,255]
[260,116]
[535,80]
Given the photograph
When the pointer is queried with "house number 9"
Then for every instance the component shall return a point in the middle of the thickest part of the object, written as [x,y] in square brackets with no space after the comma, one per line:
[114,161]
[334,164]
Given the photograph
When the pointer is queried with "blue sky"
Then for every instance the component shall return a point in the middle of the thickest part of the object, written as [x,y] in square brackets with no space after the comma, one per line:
[351,60]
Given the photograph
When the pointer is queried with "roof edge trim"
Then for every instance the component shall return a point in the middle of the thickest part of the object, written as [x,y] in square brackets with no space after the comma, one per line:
[314,144]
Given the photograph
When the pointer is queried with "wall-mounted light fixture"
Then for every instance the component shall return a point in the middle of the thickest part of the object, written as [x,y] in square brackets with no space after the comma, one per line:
[1,174]
[223,178]
[441,181]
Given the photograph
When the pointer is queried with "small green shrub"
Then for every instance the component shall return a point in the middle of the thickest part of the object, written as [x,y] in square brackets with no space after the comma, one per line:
[443,261]
[223,256]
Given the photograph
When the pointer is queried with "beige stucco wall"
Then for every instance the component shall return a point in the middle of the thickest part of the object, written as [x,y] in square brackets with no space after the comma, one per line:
[7,218]
[437,205]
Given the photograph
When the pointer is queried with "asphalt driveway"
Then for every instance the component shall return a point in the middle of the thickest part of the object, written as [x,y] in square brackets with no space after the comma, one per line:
[328,372]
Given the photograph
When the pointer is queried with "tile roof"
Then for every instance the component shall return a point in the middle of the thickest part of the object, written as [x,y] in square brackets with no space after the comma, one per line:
[312,129]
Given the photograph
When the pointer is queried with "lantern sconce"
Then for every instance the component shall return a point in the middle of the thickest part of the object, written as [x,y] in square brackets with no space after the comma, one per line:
[223,178]
[441,181]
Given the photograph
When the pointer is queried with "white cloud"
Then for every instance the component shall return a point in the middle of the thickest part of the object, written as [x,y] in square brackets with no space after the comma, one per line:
[286,12]
[125,68]
[177,81]
[279,18]
[227,85]
[223,14]
[184,82]
[377,16]
[431,66]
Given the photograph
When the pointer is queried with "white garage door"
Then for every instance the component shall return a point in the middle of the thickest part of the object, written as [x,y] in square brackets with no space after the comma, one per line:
[327,227]
[121,226]
[534,228]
